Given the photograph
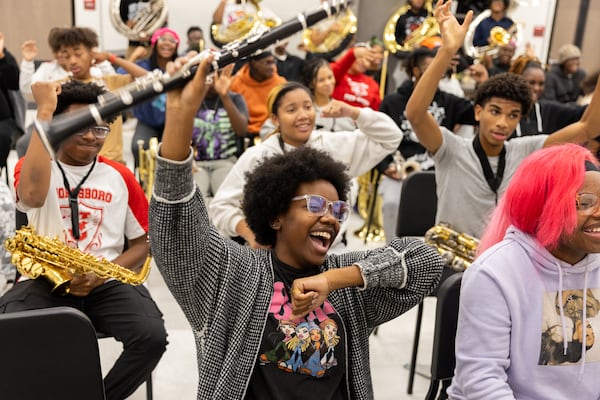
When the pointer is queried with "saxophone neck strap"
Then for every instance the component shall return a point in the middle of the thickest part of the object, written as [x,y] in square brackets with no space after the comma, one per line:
[493,180]
[73,205]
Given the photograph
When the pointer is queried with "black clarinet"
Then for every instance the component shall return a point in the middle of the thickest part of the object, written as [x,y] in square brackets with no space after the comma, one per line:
[156,82]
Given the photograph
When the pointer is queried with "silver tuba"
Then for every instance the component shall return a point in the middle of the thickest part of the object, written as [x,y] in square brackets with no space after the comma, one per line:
[147,19]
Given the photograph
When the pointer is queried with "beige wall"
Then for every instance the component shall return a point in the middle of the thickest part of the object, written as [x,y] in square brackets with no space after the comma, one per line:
[21,20]
[564,32]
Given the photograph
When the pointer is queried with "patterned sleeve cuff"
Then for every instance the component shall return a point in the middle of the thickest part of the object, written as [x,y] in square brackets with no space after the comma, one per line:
[174,180]
[384,268]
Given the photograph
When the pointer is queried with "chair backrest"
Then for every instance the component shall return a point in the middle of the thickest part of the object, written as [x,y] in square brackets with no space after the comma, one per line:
[418,204]
[443,357]
[50,353]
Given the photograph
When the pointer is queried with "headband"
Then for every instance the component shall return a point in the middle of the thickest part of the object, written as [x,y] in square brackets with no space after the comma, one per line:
[590,166]
[159,32]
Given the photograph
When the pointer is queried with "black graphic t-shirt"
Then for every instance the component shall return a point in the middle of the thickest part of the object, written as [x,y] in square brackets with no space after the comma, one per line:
[300,359]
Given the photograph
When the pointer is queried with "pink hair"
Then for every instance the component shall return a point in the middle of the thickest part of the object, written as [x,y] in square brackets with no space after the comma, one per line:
[540,199]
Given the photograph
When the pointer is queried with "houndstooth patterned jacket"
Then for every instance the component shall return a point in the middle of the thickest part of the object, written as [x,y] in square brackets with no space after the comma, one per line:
[225,289]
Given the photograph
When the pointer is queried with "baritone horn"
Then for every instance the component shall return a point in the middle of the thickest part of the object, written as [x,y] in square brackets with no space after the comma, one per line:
[245,23]
[336,41]
[145,22]
[427,29]
[147,165]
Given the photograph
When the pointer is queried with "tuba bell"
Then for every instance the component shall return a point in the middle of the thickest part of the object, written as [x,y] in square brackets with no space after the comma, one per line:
[245,23]
[147,19]
[335,42]
[427,29]
[499,37]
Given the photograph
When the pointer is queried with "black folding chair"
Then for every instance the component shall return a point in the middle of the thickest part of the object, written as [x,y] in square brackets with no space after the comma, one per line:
[416,214]
[50,354]
[443,358]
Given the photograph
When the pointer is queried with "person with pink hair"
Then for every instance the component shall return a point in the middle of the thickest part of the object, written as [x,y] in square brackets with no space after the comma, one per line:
[530,300]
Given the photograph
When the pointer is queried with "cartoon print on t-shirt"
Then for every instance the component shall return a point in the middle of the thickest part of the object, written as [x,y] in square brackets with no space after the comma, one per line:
[313,365]
[298,344]
[305,346]
[281,352]
[331,339]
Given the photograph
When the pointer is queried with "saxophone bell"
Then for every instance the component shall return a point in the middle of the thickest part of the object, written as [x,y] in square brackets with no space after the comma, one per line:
[59,279]
[408,167]
[405,167]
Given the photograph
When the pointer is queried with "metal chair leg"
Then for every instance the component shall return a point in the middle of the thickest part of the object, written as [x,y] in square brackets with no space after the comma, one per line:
[149,390]
[413,358]
[433,389]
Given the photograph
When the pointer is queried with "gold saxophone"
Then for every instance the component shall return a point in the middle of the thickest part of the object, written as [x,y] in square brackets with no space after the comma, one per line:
[457,249]
[36,256]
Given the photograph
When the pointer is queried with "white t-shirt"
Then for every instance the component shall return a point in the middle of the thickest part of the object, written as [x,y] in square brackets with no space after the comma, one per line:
[112,206]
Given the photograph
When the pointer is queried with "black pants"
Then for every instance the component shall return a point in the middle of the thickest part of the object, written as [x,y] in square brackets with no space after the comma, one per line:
[126,312]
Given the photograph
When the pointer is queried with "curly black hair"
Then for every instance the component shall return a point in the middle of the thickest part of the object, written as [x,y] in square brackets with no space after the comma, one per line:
[507,86]
[77,92]
[270,186]
[75,36]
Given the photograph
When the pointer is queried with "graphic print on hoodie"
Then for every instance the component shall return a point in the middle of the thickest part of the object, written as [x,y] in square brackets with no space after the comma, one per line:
[564,332]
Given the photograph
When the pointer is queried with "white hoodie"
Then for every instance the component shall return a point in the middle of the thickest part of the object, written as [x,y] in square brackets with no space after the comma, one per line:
[519,310]
[376,137]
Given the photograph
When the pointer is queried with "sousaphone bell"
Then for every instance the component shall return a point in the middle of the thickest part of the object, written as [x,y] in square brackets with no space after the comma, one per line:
[427,29]
[146,21]
[245,23]
[335,42]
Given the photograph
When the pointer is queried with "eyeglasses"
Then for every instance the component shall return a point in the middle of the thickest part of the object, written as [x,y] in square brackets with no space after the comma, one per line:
[99,132]
[318,205]
[166,39]
[587,203]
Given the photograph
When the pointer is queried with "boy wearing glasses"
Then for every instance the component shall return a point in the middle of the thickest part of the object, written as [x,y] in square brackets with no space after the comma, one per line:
[472,174]
[95,205]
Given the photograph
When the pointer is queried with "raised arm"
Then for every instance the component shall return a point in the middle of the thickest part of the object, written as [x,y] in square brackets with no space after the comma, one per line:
[29,52]
[238,119]
[34,179]
[132,68]
[453,34]
[584,130]
[218,13]
[182,105]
